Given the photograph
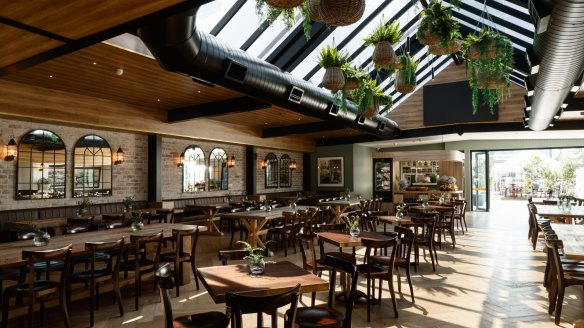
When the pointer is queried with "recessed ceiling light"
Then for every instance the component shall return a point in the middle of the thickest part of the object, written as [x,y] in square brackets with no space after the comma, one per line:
[299,118]
[266,123]
[94,63]
[158,99]
[50,76]
[198,91]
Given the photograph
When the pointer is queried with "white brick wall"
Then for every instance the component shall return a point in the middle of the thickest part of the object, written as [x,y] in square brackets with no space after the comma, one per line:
[260,173]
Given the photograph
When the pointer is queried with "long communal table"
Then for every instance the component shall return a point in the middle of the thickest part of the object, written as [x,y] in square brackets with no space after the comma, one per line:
[572,235]
[340,206]
[557,214]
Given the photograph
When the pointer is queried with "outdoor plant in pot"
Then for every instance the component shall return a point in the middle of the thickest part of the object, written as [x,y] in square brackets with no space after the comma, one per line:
[405,78]
[137,222]
[383,37]
[128,202]
[369,97]
[438,29]
[82,206]
[489,61]
[271,10]
[256,257]
[332,60]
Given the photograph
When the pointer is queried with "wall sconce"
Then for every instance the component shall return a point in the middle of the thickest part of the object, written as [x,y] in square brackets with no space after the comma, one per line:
[264,164]
[181,160]
[11,150]
[119,156]
[231,162]
[293,166]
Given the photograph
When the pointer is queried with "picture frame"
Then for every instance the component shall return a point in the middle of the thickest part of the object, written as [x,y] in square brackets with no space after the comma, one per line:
[330,171]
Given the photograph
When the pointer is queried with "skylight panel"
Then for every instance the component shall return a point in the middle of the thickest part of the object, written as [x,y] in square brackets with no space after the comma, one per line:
[211,13]
[241,26]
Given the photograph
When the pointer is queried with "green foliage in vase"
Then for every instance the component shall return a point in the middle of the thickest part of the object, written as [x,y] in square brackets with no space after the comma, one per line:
[352,221]
[408,71]
[437,20]
[256,254]
[128,202]
[480,69]
[136,218]
[84,204]
[384,32]
[31,228]
[288,17]
[331,57]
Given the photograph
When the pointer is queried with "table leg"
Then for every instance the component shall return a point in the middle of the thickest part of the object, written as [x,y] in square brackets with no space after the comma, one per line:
[339,210]
[212,228]
[254,226]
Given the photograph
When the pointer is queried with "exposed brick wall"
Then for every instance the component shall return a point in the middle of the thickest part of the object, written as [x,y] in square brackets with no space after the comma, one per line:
[260,173]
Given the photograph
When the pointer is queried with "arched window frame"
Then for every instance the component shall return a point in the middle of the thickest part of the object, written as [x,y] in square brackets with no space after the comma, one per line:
[271,171]
[285,172]
[194,169]
[218,171]
[92,167]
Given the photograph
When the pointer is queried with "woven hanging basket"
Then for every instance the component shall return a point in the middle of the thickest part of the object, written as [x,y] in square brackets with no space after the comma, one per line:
[383,54]
[401,86]
[480,51]
[341,12]
[397,64]
[333,79]
[313,7]
[284,4]
[372,111]
[439,50]
[429,38]
[352,83]
[489,80]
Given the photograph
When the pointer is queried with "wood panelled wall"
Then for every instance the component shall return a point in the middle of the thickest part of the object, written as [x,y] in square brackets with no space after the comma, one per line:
[410,114]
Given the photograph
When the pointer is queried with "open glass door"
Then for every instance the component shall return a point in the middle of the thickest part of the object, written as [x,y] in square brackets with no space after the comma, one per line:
[479,180]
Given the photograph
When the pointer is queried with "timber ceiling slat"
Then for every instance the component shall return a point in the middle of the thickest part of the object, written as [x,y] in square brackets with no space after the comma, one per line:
[18,44]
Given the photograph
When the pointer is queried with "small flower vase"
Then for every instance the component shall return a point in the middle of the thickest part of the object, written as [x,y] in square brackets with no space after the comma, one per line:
[293,206]
[441,200]
[354,231]
[257,267]
[425,203]
[127,209]
[137,226]
[399,215]
[41,240]
[268,208]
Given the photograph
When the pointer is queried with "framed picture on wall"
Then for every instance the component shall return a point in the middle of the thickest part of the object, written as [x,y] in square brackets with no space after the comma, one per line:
[330,172]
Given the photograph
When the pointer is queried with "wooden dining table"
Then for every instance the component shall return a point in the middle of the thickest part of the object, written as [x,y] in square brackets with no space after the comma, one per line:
[341,239]
[209,211]
[572,235]
[277,277]
[340,206]
[557,214]
[11,252]
[254,221]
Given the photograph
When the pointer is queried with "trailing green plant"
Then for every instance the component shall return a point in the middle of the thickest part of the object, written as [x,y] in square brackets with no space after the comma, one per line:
[408,71]
[350,71]
[384,32]
[494,61]
[331,57]
[365,96]
[32,228]
[288,17]
[136,218]
[437,20]
[256,254]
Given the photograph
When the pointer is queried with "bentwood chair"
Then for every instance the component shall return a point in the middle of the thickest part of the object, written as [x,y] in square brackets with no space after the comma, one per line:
[424,237]
[140,263]
[165,282]
[310,261]
[327,316]
[98,275]
[243,304]
[535,224]
[39,290]
[179,256]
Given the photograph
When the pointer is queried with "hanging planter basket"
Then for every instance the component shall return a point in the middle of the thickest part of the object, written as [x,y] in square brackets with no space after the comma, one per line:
[429,38]
[491,80]
[284,4]
[403,86]
[333,79]
[484,51]
[352,83]
[341,12]
[313,7]
[439,49]
[372,110]
[396,65]
[383,54]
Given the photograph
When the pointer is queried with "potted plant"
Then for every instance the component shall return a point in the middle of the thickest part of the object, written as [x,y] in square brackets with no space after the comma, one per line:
[438,29]
[353,224]
[267,206]
[39,237]
[256,257]
[137,222]
[332,60]
[336,12]
[405,78]
[82,206]
[128,202]
[284,9]
[383,37]
[446,183]
[229,197]
[369,97]
[489,61]
[399,210]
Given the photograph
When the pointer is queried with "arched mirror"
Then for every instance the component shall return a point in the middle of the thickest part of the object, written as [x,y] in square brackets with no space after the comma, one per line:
[92,163]
[285,172]
[194,169]
[41,166]
[271,171]
[218,170]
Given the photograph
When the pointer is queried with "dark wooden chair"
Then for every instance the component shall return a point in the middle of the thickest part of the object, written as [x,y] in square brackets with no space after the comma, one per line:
[113,221]
[445,224]
[179,256]
[40,267]
[164,281]
[562,279]
[39,290]
[460,214]
[237,226]
[140,263]
[310,261]
[243,304]
[95,275]
[535,224]
[11,275]
[424,229]
[232,255]
[284,231]
[327,316]
[80,225]
[373,270]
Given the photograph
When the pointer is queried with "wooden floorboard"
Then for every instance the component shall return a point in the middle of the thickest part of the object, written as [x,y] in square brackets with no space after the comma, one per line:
[491,279]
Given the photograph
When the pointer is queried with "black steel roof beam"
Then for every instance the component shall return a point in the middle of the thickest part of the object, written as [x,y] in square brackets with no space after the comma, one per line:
[235,105]
[302,129]
[524,16]
[35,30]
[473,22]
[255,35]
[227,17]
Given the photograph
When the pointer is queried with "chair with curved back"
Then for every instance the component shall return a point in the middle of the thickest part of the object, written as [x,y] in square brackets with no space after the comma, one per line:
[80,225]
[284,231]
[164,281]
[310,261]
[444,224]
[243,304]
[424,229]
[39,290]
[535,224]
[460,214]
[140,263]
[113,221]
[180,256]
[327,316]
